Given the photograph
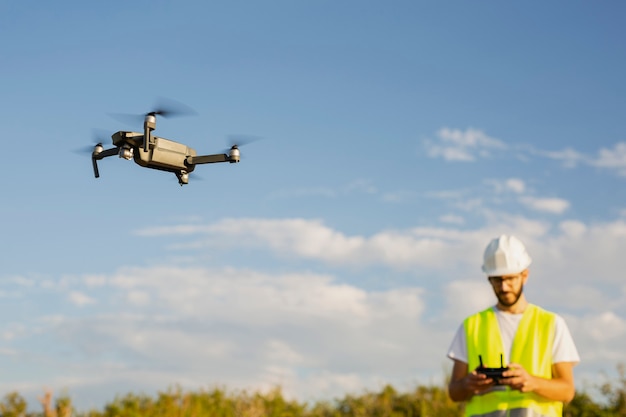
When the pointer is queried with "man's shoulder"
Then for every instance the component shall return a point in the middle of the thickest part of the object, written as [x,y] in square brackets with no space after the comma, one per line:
[543,312]
[541,309]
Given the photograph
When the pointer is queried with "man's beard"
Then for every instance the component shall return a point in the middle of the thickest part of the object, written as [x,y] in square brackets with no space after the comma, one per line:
[505,303]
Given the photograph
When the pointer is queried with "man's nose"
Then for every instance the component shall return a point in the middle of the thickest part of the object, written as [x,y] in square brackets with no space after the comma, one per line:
[507,284]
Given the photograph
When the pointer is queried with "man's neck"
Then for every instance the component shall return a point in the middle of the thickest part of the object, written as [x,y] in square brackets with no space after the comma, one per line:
[518,308]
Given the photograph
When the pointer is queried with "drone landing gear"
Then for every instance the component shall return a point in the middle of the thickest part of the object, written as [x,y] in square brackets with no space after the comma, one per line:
[98,154]
[183,177]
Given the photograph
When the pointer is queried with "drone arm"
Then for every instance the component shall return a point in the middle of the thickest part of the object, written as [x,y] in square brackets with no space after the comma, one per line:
[97,156]
[108,152]
[207,159]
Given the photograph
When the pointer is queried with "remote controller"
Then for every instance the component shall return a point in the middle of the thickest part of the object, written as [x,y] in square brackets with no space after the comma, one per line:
[493,373]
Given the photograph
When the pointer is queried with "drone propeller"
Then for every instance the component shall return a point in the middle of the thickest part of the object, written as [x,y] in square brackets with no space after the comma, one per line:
[99,136]
[83,150]
[97,150]
[164,107]
[236,141]
[171,108]
[240,140]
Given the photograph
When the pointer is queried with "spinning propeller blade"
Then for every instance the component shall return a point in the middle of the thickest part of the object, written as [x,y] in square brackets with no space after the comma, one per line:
[99,136]
[164,107]
[240,140]
[171,108]
[236,141]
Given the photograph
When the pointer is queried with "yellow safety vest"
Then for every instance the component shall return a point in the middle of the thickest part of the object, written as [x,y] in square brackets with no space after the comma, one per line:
[532,348]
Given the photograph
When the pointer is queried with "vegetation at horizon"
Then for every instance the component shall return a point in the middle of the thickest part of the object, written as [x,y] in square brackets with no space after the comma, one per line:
[423,401]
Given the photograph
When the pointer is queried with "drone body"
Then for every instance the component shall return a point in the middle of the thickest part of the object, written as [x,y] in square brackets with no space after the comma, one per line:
[153,152]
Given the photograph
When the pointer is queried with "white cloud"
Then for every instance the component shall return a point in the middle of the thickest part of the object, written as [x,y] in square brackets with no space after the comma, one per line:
[579,296]
[516,185]
[458,145]
[473,144]
[184,229]
[466,297]
[8,352]
[452,219]
[23,281]
[572,248]
[310,332]
[396,196]
[425,248]
[311,239]
[580,253]
[604,326]
[548,205]
[139,298]
[573,228]
[568,156]
[362,186]
[95,280]
[276,350]
[80,299]
[239,328]
[614,159]
[525,196]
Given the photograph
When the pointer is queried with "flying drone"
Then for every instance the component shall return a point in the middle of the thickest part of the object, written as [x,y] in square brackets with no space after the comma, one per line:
[150,151]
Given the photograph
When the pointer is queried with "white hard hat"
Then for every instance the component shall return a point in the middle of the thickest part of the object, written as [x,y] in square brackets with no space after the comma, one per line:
[505,255]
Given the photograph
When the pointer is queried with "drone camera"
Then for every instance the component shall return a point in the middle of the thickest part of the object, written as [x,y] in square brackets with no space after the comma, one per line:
[126,153]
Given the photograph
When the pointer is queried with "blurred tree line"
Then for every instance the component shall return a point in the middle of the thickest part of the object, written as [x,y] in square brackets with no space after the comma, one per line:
[423,401]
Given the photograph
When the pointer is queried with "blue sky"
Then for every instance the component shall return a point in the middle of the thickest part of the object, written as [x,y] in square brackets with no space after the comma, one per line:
[344,250]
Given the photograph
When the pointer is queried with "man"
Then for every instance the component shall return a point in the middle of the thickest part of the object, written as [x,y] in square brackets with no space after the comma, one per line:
[536,345]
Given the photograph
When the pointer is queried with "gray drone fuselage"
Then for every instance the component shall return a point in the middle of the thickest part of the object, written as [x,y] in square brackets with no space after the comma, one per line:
[162,154]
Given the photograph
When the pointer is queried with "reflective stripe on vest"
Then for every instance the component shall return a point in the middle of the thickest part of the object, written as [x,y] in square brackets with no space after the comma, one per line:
[532,348]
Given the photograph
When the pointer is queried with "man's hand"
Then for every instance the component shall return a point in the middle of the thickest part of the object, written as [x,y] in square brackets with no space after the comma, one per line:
[477,383]
[518,378]
[464,384]
[558,388]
